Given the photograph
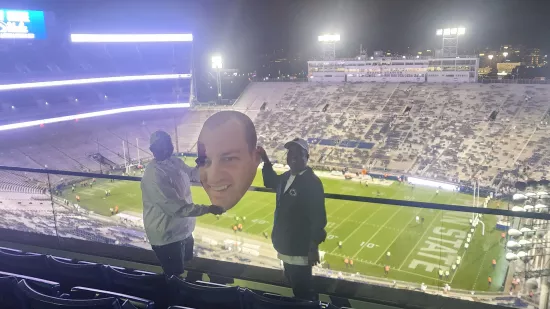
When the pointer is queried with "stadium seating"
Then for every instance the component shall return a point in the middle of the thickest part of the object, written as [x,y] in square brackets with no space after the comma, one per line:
[70,273]
[30,298]
[253,300]
[27,292]
[43,60]
[205,295]
[435,131]
[148,285]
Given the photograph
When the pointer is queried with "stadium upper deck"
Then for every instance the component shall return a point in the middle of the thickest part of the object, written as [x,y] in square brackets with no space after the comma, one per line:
[47,79]
[387,69]
[437,131]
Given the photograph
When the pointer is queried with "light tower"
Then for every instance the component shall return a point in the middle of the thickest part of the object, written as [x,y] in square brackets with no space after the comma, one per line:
[450,37]
[328,43]
[217,65]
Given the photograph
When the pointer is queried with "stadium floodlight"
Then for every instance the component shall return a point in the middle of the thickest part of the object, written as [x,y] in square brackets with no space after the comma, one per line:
[91,115]
[217,62]
[505,54]
[12,107]
[439,32]
[130,38]
[447,31]
[454,31]
[329,38]
[95,80]
[461,31]
[490,57]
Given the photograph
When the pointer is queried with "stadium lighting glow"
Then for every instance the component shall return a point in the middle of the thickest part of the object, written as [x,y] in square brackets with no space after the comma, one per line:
[505,54]
[71,82]
[451,31]
[329,38]
[490,57]
[91,115]
[217,62]
[130,38]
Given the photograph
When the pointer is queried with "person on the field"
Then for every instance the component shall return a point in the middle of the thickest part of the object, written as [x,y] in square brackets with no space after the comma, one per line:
[300,216]
[168,209]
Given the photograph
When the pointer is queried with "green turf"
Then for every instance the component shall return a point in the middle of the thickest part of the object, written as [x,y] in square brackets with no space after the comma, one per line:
[367,230]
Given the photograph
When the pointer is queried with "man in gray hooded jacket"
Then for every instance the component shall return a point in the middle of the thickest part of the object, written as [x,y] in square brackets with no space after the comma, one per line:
[168,209]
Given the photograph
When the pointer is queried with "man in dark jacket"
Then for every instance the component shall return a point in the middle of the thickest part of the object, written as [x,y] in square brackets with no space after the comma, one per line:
[300,217]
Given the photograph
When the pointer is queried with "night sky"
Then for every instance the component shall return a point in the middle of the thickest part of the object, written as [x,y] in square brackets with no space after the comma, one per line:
[241,29]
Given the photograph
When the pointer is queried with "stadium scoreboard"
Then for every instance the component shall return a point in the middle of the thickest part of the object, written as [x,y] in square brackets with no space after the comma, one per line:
[22,24]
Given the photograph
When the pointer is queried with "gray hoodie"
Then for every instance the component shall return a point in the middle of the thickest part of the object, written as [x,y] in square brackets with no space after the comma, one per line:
[168,209]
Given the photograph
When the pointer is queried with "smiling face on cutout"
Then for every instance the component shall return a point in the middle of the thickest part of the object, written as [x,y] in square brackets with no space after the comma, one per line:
[227,157]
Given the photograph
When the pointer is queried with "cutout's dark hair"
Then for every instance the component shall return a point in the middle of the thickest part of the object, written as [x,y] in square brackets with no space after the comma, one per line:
[222,117]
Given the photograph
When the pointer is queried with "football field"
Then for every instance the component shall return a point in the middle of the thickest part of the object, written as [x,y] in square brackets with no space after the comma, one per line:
[367,231]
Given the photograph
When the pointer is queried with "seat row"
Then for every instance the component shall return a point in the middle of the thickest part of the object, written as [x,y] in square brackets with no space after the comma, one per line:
[36,281]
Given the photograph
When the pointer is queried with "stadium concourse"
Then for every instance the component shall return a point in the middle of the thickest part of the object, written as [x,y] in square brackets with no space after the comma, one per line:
[440,132]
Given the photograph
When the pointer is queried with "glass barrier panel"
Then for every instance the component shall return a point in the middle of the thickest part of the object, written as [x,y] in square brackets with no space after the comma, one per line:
[480,257]
[25,203]
[102,210]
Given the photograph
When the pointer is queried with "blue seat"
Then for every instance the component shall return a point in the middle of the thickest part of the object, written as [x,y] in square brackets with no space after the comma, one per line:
[83,292]
[148,285]
[205,295]
[8,299]
[8,290]
[32,299]
[30,264]
[71,274]
[252,300]
[43,286]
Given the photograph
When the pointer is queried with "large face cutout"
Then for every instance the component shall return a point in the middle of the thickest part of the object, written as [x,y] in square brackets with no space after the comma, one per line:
[229,163]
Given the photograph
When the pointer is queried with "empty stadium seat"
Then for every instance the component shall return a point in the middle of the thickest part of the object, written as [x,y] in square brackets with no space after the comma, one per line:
[30,264]
[205,295]
[71,274]
[83,292]
[8,298]
[147,285]
[32,299]
[253,300]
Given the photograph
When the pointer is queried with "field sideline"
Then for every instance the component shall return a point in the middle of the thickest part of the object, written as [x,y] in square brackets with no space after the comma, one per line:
[367,230]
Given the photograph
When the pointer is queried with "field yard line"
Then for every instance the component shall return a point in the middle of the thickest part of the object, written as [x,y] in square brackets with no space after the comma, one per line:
[403,230]
[342,222]
[397,237]
[411,273]
[480,266]
[357,228]
[373,235]
[479,272]
[261,207]
[262,218]
[343,204]
[424,234]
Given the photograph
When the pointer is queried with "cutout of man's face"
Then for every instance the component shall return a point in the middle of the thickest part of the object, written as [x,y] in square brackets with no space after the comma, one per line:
[227,162]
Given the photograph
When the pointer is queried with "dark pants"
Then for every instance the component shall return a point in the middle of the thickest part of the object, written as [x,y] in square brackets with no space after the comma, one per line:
[301,281]
[173,256]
